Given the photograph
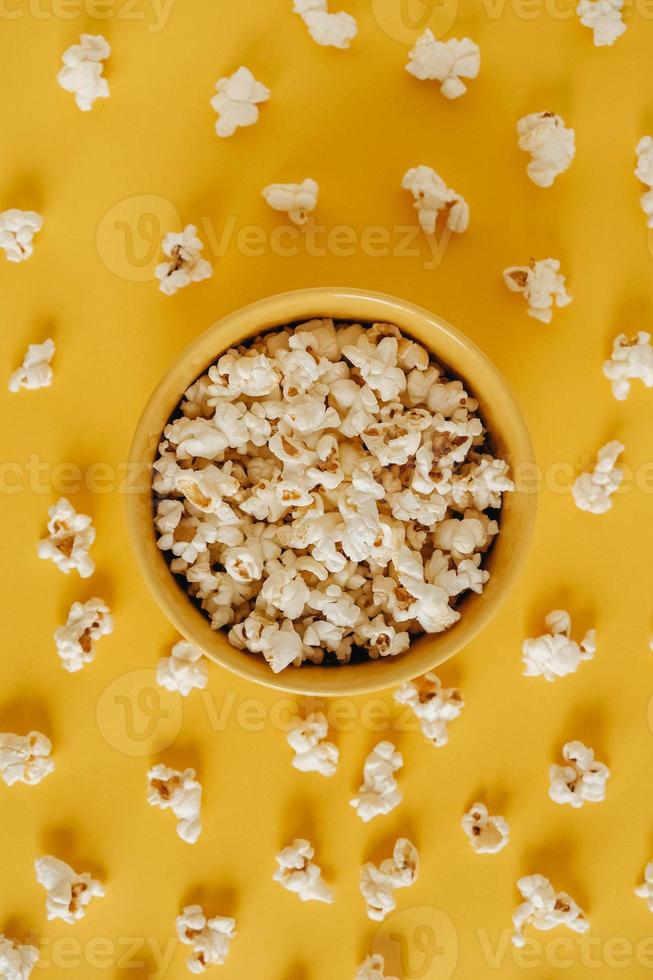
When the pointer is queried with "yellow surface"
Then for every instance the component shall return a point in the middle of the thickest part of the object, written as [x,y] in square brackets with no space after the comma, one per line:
[354,121]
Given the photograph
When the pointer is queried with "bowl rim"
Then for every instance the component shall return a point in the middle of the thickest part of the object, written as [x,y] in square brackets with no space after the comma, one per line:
[267,314]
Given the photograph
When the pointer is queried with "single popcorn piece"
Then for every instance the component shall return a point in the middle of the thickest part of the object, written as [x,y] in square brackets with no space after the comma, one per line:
[645,890]
[17,230]
[432,196]
[307,739]
[87,622]
[237,100]
[373,969]
[181,793]
[210,938]
[83,68]
[545,909]
[604,18]
[25,758]
[631,359]
[298,200]
[447,62]
[555,654]
[542,286]
[70,538]
[378,884]
[551,144]
[581,780]
[184,670]
[68,893]
[186,265]
[35,371]
[487,834]
[644,172]
[592,492]
[297,873]
[433,705]
[379,793]
[16,960]
[330,30]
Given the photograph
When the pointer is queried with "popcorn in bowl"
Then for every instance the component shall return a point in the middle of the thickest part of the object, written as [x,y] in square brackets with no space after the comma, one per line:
[327,493]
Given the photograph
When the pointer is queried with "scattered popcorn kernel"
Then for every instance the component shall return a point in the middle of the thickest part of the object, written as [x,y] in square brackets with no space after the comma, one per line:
[16,960]
[236,101]
[68,893]
[581,780]
[70,538]
[645,890]
[372,969]
[604,19]
[552,146]
[25,758]
[323,493]
[631,359]
[545,909]
[210,938]
[487,835]
[593,491]
[378,884]
[432,196]
[298,200]
[17,230]
[186,264]
[297,873]
[644,172]
[330,30]
[184,670]
[181,793]
[87,622]
[83,68]
[379,793]
[447,62]
[35,371]
[433,705]
[555,654]
[542,286]
[307,739]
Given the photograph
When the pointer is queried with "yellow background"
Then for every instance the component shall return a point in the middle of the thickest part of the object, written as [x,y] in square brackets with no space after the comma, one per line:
[110,183]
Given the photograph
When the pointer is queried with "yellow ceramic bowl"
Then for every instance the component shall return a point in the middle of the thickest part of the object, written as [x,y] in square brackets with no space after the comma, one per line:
[510,440]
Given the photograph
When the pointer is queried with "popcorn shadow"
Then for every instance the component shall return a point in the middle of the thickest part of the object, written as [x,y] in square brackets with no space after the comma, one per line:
[26,193]
[18,929]
[180,756]
[631,308]
[297,972]
[223,901]
[583,616]
[63,843]
[300,822]
[496,799]
[402,827]
[99,586]
[586,724]
[25,715]
[556,862]
[40,330]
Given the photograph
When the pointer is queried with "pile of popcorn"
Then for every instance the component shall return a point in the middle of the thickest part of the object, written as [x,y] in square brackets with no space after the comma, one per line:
[328,493]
